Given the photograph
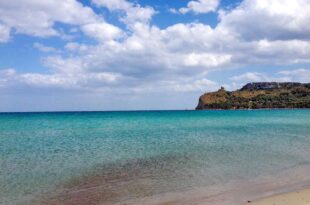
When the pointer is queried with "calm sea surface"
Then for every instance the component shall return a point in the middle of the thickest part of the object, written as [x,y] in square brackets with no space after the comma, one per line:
[173,150]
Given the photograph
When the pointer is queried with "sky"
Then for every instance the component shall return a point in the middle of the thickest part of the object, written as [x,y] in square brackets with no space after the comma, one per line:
[91,55]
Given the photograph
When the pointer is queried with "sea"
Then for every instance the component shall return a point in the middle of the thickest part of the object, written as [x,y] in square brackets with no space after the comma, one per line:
[114,157]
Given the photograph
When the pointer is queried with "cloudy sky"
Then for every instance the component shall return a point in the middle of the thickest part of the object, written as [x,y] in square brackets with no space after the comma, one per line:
[145,54]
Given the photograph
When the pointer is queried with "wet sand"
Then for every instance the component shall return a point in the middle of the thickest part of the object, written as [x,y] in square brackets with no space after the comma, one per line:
[293,198]
[115,183]
[152,182]
[236,194]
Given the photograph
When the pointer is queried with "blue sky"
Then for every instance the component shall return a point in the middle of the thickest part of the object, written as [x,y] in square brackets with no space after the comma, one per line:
[143,54]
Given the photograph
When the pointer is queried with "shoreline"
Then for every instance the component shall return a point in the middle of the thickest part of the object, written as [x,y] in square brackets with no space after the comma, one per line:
[255,109]
[263,190]
[298,197]
[238,192]
[247,196]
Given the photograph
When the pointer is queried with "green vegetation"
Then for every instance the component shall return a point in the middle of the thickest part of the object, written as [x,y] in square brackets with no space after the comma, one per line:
[258,96]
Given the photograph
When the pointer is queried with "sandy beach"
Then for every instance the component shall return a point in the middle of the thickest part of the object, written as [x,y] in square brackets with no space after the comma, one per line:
[233,197]
[131,185]
[300,197]
[260,191]
[293,198]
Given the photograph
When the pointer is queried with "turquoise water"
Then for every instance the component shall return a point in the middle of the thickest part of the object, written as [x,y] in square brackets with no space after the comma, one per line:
[42,151]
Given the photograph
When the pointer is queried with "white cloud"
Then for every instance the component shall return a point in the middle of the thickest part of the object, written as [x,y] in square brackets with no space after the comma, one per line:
[4,33]
[82,81]
[133,13]
[38,18]
[256,77]
[7,72]
[206,60]
[147,58]
[196,85]
[114,4]
[44,48]
[299,75]
[6,75]
[293,75]
[173,10]
[200,6]
[177,50]
[102,31]
[58,65]
[268,19]
[249,76]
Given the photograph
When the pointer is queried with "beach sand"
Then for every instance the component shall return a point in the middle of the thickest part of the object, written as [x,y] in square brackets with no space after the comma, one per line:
[301,197]
[197,197]
[135,188]
[293,198]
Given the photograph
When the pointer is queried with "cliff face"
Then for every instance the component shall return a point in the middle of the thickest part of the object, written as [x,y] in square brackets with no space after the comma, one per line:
[258,96]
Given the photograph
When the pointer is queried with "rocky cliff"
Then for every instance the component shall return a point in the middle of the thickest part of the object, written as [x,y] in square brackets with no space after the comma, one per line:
[260,95]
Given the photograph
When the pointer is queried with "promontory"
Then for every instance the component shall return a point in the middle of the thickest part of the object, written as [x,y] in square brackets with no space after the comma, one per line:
[259,95]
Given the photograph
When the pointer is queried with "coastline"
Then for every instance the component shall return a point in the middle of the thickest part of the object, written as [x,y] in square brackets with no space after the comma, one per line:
[113,111]
[292,108]
[298,197]
[291,185]
[263,194]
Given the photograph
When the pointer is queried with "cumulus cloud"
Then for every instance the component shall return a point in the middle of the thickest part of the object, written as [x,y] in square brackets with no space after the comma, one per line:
[200,6]
[147,58]
[58,65]
[102,31]
[259,77]
[205,60]
[175,51]
[296,75]
[265,19]
[193,85]
[6,75]
[4,33]
[249,77]
[275,52]
[38,18]
[299,75]
[114,4]
[133,13]
[82,81]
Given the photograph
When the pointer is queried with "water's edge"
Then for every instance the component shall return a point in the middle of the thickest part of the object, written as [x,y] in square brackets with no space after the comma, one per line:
[116,157]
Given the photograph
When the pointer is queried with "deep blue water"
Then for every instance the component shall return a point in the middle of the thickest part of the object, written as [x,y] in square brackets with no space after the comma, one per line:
[40,151]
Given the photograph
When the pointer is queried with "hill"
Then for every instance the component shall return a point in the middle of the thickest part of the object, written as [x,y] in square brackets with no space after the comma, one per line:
[260,95]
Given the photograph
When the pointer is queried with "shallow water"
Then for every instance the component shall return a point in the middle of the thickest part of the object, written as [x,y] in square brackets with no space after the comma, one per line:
[127,155]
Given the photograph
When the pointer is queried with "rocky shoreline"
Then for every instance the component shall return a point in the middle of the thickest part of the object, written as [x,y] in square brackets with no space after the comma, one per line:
[260,95]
